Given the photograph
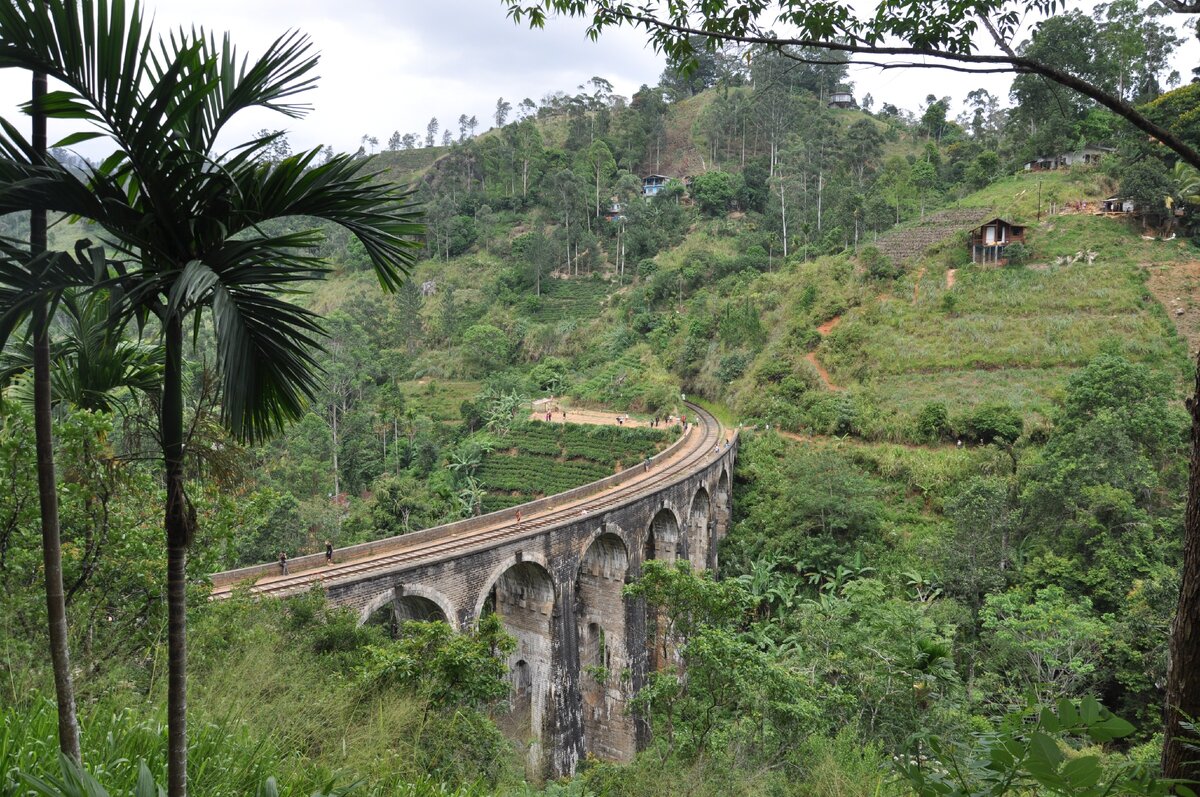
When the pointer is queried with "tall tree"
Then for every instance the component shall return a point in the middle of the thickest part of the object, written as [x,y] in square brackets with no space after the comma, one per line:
[601,167]
[56,607]
[503,108]
[194,230]
[431,131]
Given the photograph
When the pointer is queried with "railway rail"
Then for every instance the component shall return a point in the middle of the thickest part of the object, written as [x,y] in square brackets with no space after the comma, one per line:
[701,442]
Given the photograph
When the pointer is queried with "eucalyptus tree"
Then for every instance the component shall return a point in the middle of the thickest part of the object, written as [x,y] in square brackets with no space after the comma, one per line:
[185,216]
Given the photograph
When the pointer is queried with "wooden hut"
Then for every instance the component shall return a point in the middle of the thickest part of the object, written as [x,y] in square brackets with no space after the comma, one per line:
[989,241]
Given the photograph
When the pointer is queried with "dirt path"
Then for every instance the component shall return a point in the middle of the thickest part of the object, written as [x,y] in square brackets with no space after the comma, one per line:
[823,330]
[1177,288]
[917,284]
[951,273]
[827,327]
[821,372]
[592,417]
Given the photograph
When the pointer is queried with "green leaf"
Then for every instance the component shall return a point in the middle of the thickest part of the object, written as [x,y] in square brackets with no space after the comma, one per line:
[1068,715]
[1083,772]
[1045,748]
[76,138]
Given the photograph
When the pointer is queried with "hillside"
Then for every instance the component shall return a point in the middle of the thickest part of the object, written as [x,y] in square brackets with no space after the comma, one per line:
[959,488]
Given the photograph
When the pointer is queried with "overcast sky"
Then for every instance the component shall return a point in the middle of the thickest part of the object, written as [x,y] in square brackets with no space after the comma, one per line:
[389,66]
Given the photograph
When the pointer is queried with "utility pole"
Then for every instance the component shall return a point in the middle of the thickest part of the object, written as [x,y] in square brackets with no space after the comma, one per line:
[1039,213]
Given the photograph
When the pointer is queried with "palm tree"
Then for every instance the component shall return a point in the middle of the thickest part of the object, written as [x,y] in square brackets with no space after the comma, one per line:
[93,365]
[56,604]
[190,218]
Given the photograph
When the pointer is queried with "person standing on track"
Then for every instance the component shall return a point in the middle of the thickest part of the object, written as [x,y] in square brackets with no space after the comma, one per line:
[283,569]
[518,517]
[328,553]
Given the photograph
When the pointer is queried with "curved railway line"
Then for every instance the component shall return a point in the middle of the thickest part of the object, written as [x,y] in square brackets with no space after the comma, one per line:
[700,444]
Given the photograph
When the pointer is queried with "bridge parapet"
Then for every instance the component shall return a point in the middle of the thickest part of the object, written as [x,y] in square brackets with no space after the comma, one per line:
[316,561]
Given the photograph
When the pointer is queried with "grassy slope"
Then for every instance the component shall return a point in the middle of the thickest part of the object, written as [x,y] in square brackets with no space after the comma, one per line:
[998,335]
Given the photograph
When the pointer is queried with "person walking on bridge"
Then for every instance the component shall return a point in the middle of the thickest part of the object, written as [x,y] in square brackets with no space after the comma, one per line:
[518,518]
[283,568]
[328,553]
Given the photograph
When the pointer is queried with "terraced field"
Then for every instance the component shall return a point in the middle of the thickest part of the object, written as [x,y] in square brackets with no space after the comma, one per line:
[1009,335]
[557,457]
[907,243]
[564,299]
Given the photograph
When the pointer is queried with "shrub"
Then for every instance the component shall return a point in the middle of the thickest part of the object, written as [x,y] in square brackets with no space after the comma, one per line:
[933,422]
[733,366]
[713,191]
[804,338]
[993,423]
[1017,254]
[878,265]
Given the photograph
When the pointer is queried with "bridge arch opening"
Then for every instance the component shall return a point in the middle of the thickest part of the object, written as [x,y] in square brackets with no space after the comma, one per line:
[722,512]
[665,544]
[663,540]
[604,660]
[699,537]
[397,606]
[523,598]
[521,700]
[417,608]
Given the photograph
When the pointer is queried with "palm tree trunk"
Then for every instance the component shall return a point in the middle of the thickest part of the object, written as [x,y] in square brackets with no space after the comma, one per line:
[177,523]
[1182,702]
[56,607]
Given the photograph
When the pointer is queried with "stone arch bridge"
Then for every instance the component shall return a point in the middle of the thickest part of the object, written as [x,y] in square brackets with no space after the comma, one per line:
[556,581]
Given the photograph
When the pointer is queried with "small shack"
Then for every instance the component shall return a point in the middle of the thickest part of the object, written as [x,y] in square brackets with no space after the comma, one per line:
[653,183]
[989,241]
[1118,204]
[842,98]
[615,212]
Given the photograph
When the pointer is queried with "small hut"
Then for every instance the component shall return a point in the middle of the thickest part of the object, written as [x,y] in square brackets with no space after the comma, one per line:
[989,241]
[842,98]
[1118,204]
[653,183]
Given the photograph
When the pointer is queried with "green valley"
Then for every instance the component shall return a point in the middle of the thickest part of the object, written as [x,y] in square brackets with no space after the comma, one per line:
[949,348]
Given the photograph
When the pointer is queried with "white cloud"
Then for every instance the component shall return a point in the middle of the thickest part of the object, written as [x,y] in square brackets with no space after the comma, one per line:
[389,66]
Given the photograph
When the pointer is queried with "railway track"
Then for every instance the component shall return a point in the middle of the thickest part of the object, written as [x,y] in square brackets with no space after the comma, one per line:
[702,438]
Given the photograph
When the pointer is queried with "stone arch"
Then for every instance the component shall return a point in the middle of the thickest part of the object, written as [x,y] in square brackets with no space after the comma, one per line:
[523,597]
[416,607]
[723,493]
[494,576]
[699,536]
[604,659]
[411,602]
[722,512]
[664,541]
[375,604]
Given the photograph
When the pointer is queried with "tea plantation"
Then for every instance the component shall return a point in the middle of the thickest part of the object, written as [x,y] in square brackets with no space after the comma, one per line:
[548,458]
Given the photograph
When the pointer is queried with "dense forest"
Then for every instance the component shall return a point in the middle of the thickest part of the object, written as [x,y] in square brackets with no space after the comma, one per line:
[960,491]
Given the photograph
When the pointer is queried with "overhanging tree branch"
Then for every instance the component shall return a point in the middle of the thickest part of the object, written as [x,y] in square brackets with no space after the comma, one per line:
[664,31]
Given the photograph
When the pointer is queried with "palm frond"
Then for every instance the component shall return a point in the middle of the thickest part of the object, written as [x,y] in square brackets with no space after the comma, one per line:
[264,350]
[383,216]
